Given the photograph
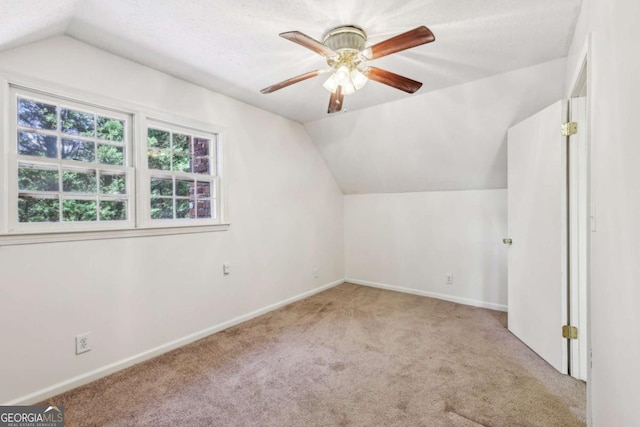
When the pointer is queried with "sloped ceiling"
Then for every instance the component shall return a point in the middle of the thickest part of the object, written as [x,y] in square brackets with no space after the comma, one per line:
[232,46]
[450,139]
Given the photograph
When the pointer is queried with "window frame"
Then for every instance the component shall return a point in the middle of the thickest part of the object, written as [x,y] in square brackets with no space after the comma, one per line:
[145,174]
[14,159]
[139,223]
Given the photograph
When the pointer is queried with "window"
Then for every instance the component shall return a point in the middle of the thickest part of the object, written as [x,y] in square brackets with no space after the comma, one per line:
[182,167]
[75,166]
[71,163]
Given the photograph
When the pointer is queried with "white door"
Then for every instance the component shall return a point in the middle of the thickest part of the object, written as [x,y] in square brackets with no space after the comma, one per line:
[537,218]
[579,236]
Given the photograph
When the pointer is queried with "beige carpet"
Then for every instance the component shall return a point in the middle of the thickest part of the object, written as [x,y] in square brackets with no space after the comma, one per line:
[350,356]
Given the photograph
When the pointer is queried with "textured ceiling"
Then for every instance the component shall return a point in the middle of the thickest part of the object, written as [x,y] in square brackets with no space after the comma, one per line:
[232,46]
[26,21]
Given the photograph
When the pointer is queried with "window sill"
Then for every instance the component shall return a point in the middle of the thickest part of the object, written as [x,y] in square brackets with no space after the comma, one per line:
[73,236]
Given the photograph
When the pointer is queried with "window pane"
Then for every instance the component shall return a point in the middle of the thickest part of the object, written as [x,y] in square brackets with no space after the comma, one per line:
[32,144]
[77,123]
[201,147]
[204,189]
[110,129]
[113,183]
[204,208]
[201,165]
[181,152]
[159,159]
[181,143]
[181,162]
[202,161]
[79,210]
[33,209]
[83,151]
[113,210]
[37,115]
[157,138]
[110,155]
[37,179]
[161,208]
[79,182]
[161,187]
[184,188]
[184,208]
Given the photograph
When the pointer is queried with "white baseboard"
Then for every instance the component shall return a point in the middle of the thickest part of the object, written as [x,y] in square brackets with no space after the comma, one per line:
[450,298]
[88,377]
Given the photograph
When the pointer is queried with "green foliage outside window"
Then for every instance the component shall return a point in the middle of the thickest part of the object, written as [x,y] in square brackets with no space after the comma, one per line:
[64,180]
[37,121]
[38,210]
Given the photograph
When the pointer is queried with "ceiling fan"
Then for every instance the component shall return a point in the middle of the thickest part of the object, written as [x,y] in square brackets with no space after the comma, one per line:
[346,53]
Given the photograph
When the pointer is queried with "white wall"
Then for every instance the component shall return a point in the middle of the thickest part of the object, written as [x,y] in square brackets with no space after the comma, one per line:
[140,293]
[450,139]
[412,240]
[615,179]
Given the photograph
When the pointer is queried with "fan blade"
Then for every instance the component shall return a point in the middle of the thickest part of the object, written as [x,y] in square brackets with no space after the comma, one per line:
[335,102]
[391,79]
[416,37]
[308,42]
[289,82]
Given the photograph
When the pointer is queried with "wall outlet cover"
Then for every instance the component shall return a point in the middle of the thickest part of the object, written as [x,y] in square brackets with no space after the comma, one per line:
[83,343]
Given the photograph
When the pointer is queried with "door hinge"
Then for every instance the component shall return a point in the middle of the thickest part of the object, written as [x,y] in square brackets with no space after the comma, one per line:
[569,128]
[570,332]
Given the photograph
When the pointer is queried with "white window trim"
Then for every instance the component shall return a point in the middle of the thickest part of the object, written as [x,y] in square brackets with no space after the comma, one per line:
[14,159]
[73,236]
[140,226]
[145,175]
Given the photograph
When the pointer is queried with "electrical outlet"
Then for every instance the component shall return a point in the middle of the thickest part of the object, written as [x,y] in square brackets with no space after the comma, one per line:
[83,343]
[449,279]
[316,272]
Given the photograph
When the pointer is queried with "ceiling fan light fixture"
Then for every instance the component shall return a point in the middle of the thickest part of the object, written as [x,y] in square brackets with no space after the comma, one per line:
[344,48]
[358,78]
[350,81]
[342,76]
[348,88]
[330,84]
[333,83]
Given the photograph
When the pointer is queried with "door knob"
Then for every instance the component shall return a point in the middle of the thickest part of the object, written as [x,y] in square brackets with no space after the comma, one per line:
[507,241]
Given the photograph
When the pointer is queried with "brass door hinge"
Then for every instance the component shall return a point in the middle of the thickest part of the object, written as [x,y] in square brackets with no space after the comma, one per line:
[570,332]
[569,128]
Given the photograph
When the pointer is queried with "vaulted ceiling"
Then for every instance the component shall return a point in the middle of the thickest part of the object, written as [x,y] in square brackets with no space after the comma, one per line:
[232,46]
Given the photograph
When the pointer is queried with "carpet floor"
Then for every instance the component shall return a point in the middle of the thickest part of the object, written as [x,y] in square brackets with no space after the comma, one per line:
[349,356]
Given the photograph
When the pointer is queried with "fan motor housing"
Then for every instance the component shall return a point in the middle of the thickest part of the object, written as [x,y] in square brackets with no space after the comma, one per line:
[345,38]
